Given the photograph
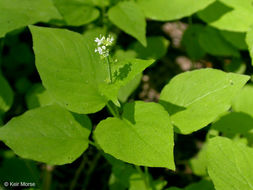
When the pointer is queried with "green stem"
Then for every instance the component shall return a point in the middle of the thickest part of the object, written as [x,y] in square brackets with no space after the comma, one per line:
[144,176]
[91,170]
[109,69]
[95,145]
[47,178]
[77,174]
[113,109]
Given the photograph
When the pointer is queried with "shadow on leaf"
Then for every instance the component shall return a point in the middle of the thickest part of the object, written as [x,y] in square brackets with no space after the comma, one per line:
[122,72]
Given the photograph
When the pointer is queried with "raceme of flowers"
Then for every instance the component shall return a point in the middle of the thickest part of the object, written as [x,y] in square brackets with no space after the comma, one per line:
[103,45]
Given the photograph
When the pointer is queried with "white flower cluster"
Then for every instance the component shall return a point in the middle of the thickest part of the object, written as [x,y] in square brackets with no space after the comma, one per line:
[103,45]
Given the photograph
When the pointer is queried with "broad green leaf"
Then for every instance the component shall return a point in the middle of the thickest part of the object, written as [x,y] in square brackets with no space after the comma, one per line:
[129,18]
[15,14]
[143,136]
[201,185]
[230,15]
[233,123]
[235,21]
[219,8]
[164,10]
[249,40]
[127,90]
[244,4]
[48,134]
[230,164]
[237,39]
[91,34]
[243,101]
[76,76]
[195,99]
[213,43]
[190,41]
[122,55]
[198,164]
[76,12]
[37,96]
[156,48]
[6,95]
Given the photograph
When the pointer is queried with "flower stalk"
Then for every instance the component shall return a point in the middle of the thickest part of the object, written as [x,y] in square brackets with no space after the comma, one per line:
[103,49]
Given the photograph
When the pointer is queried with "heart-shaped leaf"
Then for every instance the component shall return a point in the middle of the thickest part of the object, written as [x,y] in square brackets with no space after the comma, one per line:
[195,99]
[230,164]
[76,76]
[165,10]
[48,134]
[143,136]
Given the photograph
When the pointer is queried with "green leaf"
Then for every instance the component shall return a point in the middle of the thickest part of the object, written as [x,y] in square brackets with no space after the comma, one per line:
[76,12]
[164,10]
[213,43]
[129,18]
[143,136]
[195,99]
[157,47]
[6,95]
[37,96]
[230,164]
[249,40]
[201,185]
[234,123]
[127,90]
[122,55]
[74,75]
[237,19]
[207,14]
[48,134]
[243,101]
[237,39]
[15,14]
[190,41]
[198,164]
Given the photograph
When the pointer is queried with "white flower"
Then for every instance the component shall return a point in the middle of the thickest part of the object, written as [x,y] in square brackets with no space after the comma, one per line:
[99,42]
[102,45]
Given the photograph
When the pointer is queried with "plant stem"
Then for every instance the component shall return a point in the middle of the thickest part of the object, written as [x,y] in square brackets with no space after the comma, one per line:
[47,178]
[113,109]
[78,172]
[144,176]
[109,68]
[91,170]
[95,145]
